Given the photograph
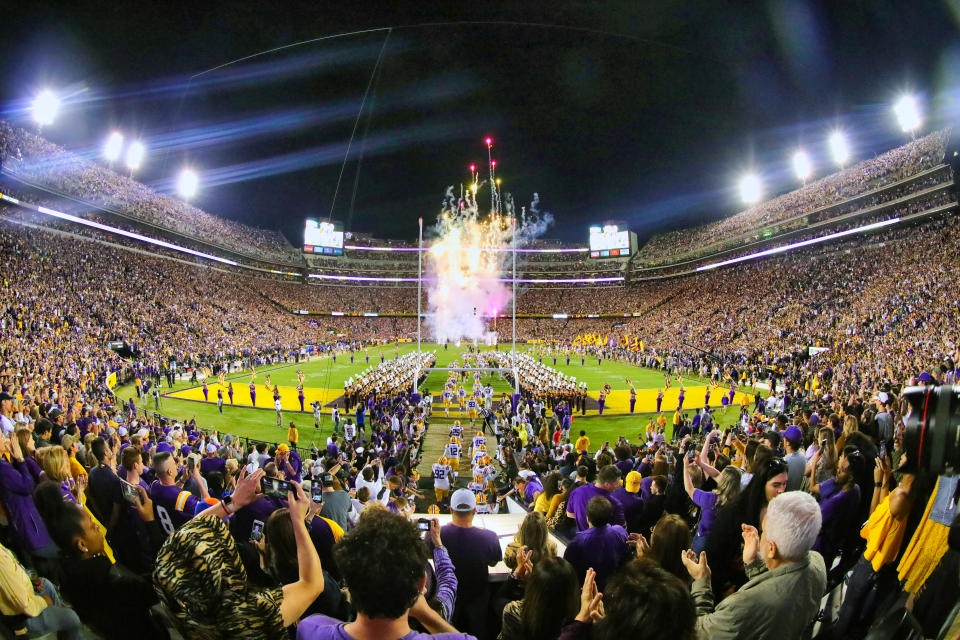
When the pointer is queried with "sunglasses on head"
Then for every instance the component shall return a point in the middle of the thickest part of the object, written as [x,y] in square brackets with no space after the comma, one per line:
[777,465]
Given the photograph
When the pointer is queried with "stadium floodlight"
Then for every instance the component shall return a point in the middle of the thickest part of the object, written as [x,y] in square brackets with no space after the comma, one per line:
[750,188]
[114,146]
[838,148]
[187,183]
[802,166]
[45,107]
[135,153]
[908,115]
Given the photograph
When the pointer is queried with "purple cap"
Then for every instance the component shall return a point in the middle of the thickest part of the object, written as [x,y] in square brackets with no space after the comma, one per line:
[186,450]
[925,377]
[793,434]
[814,418]
[164,447]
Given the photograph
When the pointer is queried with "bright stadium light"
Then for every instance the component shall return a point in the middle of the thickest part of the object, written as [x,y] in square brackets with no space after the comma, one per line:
[45,107]
[135,153]
[187,183]
[802,166]
[838,148]
[750,188]
[114,146]
[908,113]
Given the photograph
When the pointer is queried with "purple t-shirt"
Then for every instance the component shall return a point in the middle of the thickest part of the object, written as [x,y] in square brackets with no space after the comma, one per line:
[577,504]
[173,506]
[838,510]
[707,501]
[320,627]
[472,551]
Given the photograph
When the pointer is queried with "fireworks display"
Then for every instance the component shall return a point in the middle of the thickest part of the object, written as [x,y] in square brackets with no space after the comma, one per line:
[469,263]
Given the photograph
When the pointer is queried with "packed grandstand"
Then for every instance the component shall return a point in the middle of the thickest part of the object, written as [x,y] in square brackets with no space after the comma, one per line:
[106,282]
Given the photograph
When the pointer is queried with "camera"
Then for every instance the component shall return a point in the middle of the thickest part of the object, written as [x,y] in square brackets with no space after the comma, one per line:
[931,432]
[423,524]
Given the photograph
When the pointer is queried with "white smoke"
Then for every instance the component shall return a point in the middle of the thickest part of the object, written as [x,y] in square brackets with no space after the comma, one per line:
[467,261]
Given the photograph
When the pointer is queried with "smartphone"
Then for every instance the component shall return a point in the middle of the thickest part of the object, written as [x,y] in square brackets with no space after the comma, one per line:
[316,492]
[256,531]
[191,464]
[883,450]
[691,454]
[423,524]
[130,493]
[275,487]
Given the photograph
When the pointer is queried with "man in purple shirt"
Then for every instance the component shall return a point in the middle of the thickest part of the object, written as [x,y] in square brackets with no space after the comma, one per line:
[602,547]
[174,506]
[608,479]
[212,462]
[629,494]
[383,600]
[472,550]
[288,463]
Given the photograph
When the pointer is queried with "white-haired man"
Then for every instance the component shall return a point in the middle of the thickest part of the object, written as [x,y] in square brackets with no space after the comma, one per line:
[787,579]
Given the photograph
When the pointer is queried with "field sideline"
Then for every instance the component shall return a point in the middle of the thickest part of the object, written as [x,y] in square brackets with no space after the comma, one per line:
[324,380]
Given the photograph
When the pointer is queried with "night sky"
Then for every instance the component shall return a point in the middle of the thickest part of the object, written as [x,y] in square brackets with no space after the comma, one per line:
[640,112]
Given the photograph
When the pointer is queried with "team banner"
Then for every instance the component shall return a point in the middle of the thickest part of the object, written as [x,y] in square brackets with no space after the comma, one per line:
[626,341]
[112,380]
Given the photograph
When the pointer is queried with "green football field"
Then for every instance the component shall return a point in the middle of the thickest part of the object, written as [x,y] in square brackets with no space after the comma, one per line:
[322,372]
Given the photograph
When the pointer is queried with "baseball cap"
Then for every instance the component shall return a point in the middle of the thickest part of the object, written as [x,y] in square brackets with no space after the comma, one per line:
[814,418]
[211,448]
[5,396]
[164,447]
[793,434]
[54,413]
[463,501]
[924,377]
[632,482]
[283,448]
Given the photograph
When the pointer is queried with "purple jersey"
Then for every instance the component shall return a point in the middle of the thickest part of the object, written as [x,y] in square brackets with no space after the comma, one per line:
[173,506]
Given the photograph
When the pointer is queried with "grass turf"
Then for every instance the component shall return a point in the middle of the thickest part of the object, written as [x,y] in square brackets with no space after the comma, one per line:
[322,372]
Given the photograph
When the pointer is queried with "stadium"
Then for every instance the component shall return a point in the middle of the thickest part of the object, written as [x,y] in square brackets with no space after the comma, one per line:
[567,412]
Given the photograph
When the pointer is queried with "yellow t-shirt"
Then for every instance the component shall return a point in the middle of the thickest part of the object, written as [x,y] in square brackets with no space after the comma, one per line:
[540,504]
[583,444]
[292,435]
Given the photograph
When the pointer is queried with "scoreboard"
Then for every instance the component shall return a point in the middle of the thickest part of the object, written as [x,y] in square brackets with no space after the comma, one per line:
[610,241]
[323,238]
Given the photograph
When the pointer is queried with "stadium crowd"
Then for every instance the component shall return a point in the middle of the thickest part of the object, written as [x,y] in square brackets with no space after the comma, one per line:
[889,167]
[117,524]
[36,160]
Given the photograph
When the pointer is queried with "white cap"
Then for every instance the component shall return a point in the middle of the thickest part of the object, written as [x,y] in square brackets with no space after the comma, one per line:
[463,501]
[211,448]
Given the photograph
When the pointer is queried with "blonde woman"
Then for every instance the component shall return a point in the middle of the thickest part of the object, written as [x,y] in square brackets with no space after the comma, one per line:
[533,535]
[71,444]
[850,425]
[710,502]
[56,466]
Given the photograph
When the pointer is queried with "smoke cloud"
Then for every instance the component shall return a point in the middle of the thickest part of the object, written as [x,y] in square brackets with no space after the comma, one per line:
[468,260]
